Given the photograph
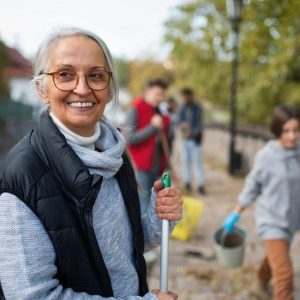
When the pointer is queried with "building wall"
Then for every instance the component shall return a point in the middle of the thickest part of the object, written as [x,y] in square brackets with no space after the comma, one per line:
[21,90]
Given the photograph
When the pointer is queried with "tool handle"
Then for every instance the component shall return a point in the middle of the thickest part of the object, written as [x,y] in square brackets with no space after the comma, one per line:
[164,251]
[166,180]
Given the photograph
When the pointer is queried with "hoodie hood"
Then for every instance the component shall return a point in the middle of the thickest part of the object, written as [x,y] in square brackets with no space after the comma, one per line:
[274,148]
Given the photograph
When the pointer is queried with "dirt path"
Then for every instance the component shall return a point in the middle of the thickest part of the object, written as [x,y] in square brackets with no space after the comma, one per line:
[195,278]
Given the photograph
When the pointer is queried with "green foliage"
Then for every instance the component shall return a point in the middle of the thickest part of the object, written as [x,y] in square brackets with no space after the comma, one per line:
[196,32]
[269,71]
[270,64]
[143,70]
[123,71]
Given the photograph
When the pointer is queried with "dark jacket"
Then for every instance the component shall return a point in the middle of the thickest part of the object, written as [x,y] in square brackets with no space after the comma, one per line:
[192,113]
[45,173]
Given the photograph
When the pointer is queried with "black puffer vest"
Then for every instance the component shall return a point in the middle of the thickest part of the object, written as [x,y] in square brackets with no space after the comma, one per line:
[45,173]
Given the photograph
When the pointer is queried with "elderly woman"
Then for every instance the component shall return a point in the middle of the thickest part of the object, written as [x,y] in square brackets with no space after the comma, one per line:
[70,220]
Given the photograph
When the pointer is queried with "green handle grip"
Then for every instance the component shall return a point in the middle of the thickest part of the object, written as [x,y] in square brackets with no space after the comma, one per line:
[166,180]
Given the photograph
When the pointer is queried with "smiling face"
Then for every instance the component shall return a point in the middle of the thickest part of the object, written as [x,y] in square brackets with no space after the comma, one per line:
[79,109]
[290,134]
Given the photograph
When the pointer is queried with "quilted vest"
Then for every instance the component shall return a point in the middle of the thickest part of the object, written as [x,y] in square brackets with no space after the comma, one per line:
[44,172]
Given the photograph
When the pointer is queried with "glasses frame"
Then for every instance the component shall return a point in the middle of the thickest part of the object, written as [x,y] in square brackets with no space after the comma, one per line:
[52,74]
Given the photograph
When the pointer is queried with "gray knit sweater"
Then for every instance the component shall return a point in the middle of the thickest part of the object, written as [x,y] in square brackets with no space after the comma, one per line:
[27,256]
[274,182]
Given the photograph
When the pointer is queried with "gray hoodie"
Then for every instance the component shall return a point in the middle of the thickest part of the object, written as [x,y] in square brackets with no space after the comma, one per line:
[274,182]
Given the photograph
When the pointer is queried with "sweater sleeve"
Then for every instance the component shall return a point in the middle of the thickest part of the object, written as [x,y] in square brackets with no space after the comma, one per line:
[152,225]
[134,136]
[27,257]
[253,183]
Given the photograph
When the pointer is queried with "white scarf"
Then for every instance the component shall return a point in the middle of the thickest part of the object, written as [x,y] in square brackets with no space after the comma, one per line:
[84,141]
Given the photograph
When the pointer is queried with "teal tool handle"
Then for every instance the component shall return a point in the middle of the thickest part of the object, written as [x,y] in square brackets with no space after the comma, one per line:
[166,180]
[164,250]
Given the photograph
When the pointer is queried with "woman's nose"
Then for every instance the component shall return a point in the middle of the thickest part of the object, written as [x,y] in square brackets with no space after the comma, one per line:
[82,86]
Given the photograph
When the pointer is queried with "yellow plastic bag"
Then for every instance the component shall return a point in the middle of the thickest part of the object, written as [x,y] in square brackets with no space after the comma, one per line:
[192,210]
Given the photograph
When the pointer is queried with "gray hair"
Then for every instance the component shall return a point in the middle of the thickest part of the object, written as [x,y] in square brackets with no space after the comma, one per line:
[42,58]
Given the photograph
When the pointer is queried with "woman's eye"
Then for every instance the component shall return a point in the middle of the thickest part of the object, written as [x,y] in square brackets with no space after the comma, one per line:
[65,75]
[97,76]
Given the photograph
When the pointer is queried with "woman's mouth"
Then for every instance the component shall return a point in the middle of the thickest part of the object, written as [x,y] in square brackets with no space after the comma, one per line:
[81,104]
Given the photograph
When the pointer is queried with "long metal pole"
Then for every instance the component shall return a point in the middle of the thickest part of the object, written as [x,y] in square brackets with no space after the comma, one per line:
[164,250]
[164,256]
[233,102]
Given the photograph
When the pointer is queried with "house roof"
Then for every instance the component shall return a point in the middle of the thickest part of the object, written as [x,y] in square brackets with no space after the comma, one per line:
[18,65]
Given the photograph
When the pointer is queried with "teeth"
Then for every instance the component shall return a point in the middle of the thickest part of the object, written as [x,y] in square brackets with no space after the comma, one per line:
[81,104]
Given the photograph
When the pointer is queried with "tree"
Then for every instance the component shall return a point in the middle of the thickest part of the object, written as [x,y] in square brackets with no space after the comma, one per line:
[143,70]
[270,59]
[123,71]
[199,33]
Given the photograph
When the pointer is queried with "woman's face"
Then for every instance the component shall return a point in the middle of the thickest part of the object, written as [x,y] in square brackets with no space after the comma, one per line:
[290,134]
[81,108]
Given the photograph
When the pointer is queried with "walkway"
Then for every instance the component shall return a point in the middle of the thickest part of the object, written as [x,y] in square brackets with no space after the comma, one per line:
[195,278]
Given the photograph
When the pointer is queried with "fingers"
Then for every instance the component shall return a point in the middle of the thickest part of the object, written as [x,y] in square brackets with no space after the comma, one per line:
[165,296]
[169,192]
[173,294]
[169,204]
[158,186]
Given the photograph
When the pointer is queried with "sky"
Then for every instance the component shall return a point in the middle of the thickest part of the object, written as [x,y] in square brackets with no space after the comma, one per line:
[130,28]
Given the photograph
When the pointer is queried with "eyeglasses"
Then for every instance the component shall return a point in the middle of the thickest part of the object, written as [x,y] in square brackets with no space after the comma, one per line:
[67,80]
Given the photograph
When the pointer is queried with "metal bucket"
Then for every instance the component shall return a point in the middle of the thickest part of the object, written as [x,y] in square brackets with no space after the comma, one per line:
[230,250]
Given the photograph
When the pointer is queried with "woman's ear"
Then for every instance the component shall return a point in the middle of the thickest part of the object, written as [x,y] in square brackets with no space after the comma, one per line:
[41,89]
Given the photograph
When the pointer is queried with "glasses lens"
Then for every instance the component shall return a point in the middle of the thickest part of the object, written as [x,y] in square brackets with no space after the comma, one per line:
[98,80]
[65,80]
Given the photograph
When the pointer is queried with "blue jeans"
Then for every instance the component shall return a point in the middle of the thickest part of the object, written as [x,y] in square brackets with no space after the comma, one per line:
[192,159]
[145,181]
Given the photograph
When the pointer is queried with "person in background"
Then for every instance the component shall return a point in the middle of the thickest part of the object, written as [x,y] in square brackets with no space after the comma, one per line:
[173,114]
[70,220]
[146,136]
[191,126]
[274,183]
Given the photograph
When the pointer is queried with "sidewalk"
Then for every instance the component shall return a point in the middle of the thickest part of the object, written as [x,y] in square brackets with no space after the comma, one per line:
[195,278]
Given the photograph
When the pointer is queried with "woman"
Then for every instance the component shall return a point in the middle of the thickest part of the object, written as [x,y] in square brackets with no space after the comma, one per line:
[274,182]
[69,209]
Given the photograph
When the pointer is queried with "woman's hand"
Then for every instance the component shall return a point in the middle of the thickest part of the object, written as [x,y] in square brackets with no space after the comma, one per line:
[168,202]
[165,296]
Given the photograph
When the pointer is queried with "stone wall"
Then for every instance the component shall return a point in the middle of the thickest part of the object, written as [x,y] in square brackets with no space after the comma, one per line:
[249,140]
[215,148]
